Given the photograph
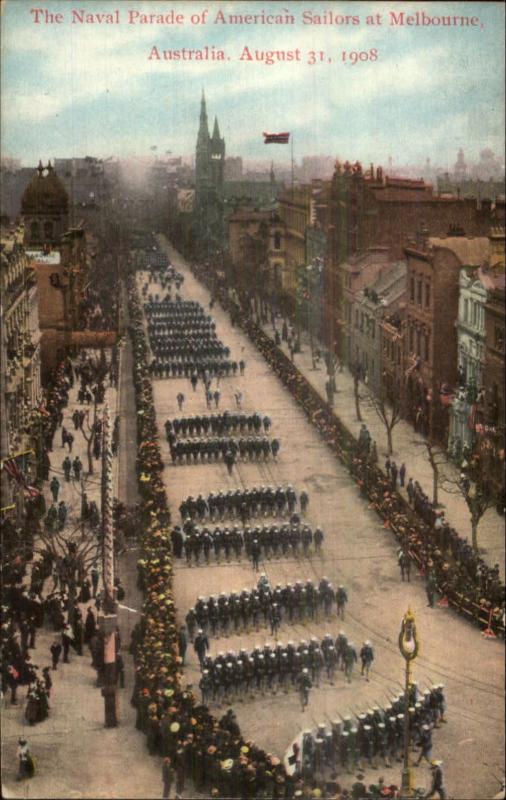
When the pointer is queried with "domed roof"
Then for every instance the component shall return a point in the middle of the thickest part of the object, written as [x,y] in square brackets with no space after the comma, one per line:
[45,194]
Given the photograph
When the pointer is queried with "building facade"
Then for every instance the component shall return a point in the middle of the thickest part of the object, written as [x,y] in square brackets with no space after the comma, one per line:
[62,282]
[471,356]
[21,337]
[432,302]
[357,272]
[303,213]
[381,298]
[256,242]
[490,424]
[392,328]
[367,208]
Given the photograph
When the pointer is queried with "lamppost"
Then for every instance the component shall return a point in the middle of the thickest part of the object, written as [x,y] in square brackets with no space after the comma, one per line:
[409,645]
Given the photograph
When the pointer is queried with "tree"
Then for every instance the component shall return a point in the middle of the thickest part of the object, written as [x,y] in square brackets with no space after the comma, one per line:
[388,412]
[74,550]
[475,491]
[436,459]
[89,436]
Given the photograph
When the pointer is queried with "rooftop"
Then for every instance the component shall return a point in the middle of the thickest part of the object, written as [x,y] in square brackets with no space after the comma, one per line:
[470,250]
[389,285]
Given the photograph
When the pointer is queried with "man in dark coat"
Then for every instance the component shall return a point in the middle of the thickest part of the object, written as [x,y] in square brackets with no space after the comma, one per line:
[90,626]
[201,645]
[167,777]
[56,649]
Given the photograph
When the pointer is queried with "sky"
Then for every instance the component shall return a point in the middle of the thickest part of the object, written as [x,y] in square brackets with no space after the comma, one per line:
[74,89]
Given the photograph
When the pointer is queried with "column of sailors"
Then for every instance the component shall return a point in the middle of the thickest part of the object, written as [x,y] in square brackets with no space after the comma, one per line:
[259,501]
[183,340]
[218,424]
[262,606]
[376,735]
[198,544]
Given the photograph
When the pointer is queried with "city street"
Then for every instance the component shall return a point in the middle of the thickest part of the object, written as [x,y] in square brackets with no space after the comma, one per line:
[357,552]
[408,448]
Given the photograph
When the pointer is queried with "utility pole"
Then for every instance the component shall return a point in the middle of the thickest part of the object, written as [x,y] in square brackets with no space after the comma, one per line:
[108,620]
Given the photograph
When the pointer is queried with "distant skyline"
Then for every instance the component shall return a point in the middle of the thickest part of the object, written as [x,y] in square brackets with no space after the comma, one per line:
[75,90]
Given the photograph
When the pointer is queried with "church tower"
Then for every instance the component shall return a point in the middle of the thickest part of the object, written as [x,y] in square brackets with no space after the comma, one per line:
[209,176]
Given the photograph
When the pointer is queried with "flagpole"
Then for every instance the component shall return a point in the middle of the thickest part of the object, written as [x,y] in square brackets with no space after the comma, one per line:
[291,145]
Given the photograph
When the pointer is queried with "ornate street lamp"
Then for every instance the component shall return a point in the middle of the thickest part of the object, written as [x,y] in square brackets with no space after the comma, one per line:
[409,645]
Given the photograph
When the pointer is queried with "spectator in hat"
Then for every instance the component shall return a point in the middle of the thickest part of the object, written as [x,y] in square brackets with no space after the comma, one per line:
[26,765]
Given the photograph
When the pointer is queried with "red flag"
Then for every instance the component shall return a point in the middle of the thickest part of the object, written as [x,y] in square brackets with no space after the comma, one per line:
[12,468]
[276,138]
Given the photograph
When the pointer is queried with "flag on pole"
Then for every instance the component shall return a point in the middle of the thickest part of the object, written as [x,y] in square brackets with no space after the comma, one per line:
[276,138]
[12,467]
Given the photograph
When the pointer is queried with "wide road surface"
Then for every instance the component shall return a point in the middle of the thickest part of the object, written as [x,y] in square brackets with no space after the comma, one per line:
[359,553]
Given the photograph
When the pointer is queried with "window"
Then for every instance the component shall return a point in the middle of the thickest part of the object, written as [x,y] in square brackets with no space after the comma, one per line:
[427,295]
[34,230]
[499,337]
[48,229]
[427,346]
[356,319]
[411,338]
[418,343]
[277,240]
[466,310]
[412,290]
[419,292]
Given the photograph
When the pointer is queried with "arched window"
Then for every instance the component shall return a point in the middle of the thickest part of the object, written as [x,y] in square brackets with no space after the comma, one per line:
[48,229]
[34,230]
[277,240]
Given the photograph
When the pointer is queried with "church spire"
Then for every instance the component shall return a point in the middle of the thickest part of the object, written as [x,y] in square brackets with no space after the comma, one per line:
[216,130]
[203,135]
[203,110]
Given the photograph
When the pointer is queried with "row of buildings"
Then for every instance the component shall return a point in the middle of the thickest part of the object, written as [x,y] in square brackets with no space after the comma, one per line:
[409,290]
[46,264]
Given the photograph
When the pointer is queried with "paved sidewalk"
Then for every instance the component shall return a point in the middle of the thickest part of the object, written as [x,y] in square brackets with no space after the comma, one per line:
[76,756]
[491,530]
